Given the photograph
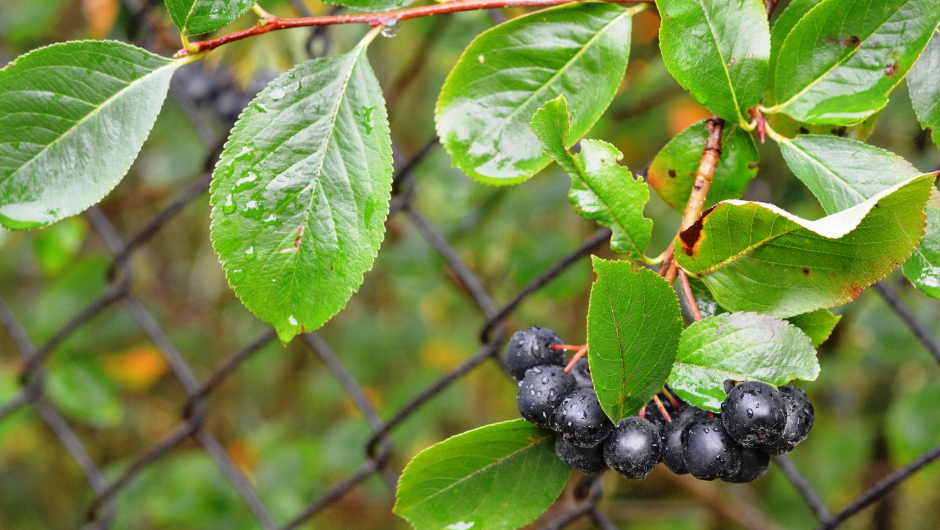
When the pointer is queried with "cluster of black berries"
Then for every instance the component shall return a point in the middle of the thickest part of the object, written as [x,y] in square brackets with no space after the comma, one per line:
[756,420]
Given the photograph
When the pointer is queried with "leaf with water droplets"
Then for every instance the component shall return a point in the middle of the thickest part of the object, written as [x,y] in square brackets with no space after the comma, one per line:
[300,194]
[785,265]
[718,50]
[739,347]
[923,82]
[508,72]
[923,269]
[843,58]
[634,323]
[498,477]
[73,117]
[195,17]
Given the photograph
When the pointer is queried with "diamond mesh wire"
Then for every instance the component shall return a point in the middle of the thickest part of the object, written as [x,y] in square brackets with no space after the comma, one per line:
[379,448]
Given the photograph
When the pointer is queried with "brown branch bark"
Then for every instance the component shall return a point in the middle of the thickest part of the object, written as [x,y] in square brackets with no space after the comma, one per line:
[273,23]
[703,181]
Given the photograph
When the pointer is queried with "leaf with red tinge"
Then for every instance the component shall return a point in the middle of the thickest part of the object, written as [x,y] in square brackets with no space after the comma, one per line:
[757,257]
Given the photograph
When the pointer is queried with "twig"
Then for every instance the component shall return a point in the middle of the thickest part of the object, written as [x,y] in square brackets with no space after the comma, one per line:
[881,489]
[273,23]
[804,488]
[703,181]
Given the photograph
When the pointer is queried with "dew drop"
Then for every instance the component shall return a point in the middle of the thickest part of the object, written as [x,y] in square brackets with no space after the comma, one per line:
[229,205]
[391,27]
[277,94]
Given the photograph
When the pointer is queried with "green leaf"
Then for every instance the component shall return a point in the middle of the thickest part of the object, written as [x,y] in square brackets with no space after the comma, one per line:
[718,50]
[634,323]
[913,423]
[508,72]
[672,173]
[601,190]
[844,57]
[756,257]
[788,127]
[843,173]
[817,325]
[782,27]
[73,117]
[739,347]
[195,17]
[300,194]
[371,6]
[923,268]
[923,82]
[498,477]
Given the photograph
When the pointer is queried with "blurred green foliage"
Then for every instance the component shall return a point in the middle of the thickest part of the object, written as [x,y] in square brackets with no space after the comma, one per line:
[284,419]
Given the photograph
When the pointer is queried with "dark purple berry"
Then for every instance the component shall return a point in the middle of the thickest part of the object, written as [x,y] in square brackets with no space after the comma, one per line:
[541,391]
[581,420]
[710,452]
[800,416]
[633,449]
[532,347]
[754,463]
[581,372]
[588,460]
[672,448]
[754,414]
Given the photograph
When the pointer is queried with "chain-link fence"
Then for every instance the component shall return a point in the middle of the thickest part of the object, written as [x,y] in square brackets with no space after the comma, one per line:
[581,502]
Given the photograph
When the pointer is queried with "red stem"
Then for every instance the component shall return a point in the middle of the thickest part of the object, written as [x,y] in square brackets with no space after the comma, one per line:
[687,290]
[566,347]
[578,355]
[273,23]
[671,398]
[662,409]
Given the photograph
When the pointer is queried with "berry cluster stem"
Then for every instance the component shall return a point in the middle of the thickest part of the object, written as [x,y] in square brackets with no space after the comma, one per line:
[687,290]
[270,22]
[662,409]
[672,399]
[580,353]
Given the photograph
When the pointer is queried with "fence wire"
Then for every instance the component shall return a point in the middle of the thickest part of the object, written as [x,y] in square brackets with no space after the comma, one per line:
[585,495]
